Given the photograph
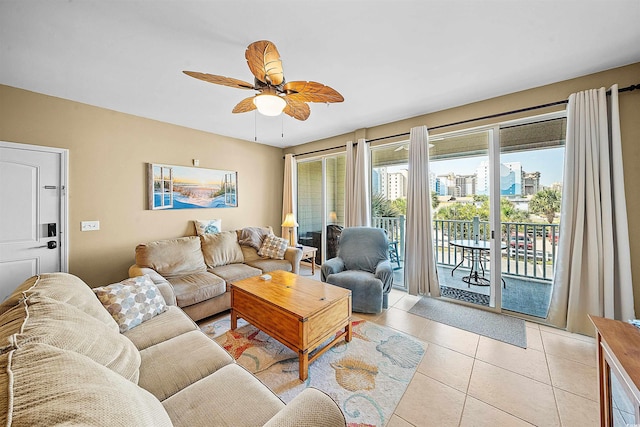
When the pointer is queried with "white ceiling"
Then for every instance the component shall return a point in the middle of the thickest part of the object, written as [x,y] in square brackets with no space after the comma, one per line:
[389,59]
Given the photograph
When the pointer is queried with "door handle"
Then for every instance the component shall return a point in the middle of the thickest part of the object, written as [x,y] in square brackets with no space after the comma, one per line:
[50,245]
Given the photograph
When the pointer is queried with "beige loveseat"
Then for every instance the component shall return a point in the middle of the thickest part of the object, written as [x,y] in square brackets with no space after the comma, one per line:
[199,269]
[64,362]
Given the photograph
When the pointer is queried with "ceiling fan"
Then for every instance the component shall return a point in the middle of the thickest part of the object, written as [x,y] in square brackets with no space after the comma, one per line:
[275,95]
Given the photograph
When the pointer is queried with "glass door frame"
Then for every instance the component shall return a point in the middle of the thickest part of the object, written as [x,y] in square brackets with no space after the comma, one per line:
[495,252]
[324,223]
[495,295]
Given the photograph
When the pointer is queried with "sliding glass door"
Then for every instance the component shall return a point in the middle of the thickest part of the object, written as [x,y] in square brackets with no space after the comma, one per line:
[461,184]
[531,168]
[389,172]
[321,184]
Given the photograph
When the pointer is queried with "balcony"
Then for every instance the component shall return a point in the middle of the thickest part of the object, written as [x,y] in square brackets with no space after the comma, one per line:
[527,262]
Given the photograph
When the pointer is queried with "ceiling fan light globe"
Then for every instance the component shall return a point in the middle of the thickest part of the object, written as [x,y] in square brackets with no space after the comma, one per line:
[269,105]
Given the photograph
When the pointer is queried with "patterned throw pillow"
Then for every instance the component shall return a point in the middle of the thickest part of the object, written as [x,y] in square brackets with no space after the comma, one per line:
[208,226]
[273,247]
[132,301]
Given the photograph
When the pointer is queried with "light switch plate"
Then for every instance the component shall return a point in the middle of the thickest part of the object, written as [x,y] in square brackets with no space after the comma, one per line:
[90,225]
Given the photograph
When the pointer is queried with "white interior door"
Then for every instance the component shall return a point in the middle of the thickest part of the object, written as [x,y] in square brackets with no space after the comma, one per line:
[31,214]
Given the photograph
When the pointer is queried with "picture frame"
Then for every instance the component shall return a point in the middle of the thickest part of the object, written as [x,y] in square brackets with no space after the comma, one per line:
[186,187]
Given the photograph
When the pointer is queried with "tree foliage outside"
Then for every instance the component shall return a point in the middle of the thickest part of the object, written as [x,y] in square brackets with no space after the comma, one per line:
[546,203]
[480,208]
[381,207]
[401,205]
[435,201]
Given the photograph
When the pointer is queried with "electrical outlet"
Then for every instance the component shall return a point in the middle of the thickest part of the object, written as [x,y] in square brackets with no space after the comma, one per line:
[90,225]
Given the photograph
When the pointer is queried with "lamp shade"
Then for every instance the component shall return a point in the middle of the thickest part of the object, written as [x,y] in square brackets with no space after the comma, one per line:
[289,221]
[269,105]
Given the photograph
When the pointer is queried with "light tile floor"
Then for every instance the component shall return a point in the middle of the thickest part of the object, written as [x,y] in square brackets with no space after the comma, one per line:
[466,379]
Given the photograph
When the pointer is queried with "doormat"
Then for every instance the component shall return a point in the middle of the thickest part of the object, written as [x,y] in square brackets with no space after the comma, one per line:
[493,325]
[366,377]
[462,295]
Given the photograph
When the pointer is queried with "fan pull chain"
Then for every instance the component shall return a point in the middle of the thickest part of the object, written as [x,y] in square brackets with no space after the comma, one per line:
[255,127]
[282,127]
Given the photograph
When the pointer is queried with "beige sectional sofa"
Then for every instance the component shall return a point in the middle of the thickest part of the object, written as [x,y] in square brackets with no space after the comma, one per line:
[64,361]
[198,269]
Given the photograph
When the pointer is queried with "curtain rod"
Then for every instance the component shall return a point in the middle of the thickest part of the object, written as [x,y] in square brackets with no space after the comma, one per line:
[476,119]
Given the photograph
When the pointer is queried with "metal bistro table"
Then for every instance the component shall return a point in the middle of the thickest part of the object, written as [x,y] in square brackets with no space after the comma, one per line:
[478,251]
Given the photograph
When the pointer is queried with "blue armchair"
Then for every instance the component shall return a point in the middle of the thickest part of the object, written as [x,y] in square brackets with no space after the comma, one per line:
[363,266]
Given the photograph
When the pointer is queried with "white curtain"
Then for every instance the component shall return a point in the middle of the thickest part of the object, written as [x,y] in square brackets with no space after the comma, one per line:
[593,270]
[349,208]
[289,193]
[420,265]
[357,204]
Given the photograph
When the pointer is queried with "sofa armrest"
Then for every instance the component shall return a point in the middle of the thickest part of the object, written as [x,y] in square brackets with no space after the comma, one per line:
[294,256]
[312,407]
[384,272]
[166,289]
[331,266]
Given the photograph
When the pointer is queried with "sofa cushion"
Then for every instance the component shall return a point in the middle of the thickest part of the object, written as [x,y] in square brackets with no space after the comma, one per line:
[222,399]
[267,265]
[173,257]
[165,370]
[193,288]
[273,247]
[205,226]
[132,301]
[44,385]
[233,272]
[221,249]
[44,320]
[65,288]
[249,254]
[165,326]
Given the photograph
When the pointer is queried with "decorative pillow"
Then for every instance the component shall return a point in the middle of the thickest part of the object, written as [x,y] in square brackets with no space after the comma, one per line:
[208,226]
[253,236]
[273,247]
[132,301]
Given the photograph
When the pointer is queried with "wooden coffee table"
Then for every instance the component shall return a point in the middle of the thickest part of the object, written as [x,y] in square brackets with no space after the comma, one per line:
[301,313]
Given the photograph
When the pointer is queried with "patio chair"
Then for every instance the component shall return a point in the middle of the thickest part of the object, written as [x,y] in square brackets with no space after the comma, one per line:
[363,266]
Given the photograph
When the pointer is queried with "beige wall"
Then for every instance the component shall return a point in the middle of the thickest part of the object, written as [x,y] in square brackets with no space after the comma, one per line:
[108,152]
[630,127]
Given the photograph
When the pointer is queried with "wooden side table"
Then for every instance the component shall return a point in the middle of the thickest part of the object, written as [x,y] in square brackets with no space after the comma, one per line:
[618,371]
[309,254]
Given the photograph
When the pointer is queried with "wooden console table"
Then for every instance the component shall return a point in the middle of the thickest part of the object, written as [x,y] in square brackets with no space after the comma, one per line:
[618,371]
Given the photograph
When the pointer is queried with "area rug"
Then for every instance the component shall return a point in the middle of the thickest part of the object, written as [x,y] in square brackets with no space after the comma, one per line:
[366,377]
[493,325]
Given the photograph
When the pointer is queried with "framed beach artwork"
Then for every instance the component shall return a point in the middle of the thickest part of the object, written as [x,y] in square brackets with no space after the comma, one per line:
[184,187]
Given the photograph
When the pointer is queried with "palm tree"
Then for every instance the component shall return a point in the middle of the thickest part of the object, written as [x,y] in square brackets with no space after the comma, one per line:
[381,207]
[546,203]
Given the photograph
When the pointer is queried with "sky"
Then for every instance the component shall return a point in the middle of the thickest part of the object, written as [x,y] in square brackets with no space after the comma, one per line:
[549,162]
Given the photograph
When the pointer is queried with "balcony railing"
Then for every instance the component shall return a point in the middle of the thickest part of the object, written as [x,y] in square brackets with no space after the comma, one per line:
[530,252]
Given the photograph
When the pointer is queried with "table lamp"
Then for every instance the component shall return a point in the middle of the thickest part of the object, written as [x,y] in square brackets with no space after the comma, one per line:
[290,223]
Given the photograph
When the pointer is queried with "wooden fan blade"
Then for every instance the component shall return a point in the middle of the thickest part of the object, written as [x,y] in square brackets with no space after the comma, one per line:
[264,62]
[311,92]
[296,109]
[245,106]
[220,80]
